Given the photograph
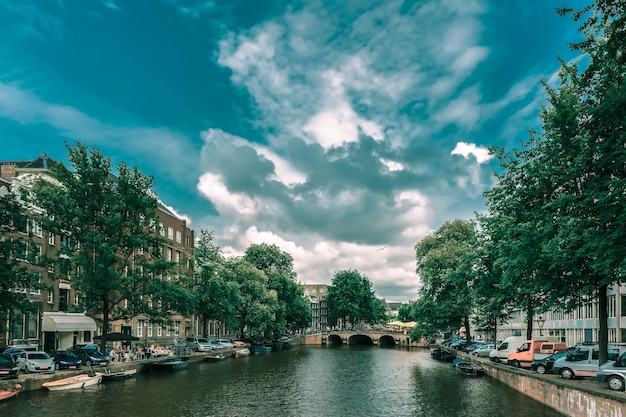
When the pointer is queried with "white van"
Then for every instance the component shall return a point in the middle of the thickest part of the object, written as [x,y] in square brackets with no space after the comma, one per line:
[504,349]
[199,344]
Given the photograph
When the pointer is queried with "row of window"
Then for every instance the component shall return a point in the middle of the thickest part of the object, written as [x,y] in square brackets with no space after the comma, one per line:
[141,324]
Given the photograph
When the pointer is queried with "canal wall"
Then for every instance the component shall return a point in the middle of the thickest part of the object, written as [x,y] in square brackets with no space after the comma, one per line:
[575,398]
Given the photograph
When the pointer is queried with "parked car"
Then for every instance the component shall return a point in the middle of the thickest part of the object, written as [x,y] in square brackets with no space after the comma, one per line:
[544,366]
[504,349]
[65,359]
[459,345]
[14,352]
[484,350]
[8,367]
[226,343]
[91,356]
[199,344]
[581,362]
[36,361]
[216,344]
[533,350]
[613,373]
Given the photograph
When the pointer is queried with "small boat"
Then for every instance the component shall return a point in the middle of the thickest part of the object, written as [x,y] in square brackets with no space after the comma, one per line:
[10,392]
[242,353]
[114,376]
[174,363]
[214,358]
[261,349]
[467,368]
[78,381]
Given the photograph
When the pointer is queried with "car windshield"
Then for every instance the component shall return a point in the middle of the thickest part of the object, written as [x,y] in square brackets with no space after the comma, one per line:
[39,355]
[65,355]
[203,340]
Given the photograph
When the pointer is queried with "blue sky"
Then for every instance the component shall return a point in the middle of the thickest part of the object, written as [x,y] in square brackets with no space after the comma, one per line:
[341,131]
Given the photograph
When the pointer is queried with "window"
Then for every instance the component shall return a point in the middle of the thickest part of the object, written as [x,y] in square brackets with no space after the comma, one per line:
[169,254]
[159,331]
[170,233]
[623,305]
[76,299]
[50,238]
[50,297]
[177,256]
[37,279]
[149,330]
[21,224]
[167,332]
[35,252]
[161,229]
[140,324]
[610,301]
[36,227]
[140,251]
[179,237]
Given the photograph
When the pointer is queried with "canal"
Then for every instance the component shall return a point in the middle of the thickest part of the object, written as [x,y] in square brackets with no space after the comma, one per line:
[303,381]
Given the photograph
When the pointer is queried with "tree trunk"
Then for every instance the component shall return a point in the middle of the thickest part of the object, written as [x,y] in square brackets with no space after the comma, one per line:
[529,319]
[468,334]
[105,324]
[603,336]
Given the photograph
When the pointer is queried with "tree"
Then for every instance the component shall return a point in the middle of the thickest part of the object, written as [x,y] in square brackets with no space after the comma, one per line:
[294,311]
[107,222]
[350,299]
[445,266]
[13,273]
[215,297]
[256,311]
[405,313]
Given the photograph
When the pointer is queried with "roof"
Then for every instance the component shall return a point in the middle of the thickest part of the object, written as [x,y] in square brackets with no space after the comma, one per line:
[42,162]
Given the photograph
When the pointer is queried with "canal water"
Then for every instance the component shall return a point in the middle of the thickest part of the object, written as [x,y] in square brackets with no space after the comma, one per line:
[303,381]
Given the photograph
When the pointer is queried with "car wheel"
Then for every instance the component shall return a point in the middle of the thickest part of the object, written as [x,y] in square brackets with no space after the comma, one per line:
[616,383]
[515,364]
[57,366]
[567,373]
[88,363]
[475,354]
[541,369]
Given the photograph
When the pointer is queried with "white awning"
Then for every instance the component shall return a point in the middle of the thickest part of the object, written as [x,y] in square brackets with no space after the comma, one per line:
[67,322]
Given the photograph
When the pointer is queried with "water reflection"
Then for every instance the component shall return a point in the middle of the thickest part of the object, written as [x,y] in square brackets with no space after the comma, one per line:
[299,382]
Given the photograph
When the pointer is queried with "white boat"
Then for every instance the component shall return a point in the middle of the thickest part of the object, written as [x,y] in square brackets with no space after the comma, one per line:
[112,376]
[241,353]
[73,382]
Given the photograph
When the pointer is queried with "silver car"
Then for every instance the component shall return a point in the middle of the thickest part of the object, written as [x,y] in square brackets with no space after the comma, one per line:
[613,373]
[484,350]
[35,362]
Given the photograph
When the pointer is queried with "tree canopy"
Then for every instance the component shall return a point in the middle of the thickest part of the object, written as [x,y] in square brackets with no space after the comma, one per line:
[110,250]
[350,299]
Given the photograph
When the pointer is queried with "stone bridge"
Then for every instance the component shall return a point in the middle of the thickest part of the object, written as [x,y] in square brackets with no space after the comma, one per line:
[356,338]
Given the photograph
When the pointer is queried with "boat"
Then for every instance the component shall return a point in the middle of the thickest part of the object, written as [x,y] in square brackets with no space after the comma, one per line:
[467,368]
[77,381]
[214,358]
[10,392]
[242,353]
[261,349]
[123,374]
[174,363]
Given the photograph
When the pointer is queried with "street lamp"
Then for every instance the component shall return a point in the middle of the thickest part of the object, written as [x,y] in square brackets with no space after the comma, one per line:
[540,322]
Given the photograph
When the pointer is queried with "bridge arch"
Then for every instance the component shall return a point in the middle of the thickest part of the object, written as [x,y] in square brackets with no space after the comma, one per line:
[334,340]
[386,340]
[360,340]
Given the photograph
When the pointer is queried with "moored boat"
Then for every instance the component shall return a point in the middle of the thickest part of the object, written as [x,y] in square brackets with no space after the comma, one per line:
[214,358]
[174,363]
[123,374]
[242,353]
[467,368]
[261,349]
[77,381]
[10,392]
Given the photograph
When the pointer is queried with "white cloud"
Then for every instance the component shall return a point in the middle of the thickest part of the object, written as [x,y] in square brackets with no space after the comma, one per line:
[466,149]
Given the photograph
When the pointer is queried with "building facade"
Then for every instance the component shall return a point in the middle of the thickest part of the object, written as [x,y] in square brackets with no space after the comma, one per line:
[59,321]
[316,293]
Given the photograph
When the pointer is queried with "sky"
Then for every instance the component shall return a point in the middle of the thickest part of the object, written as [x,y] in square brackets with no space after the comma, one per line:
[343,132]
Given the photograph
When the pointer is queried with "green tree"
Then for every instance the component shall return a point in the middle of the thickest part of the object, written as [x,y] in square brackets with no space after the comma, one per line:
[107,221]
[445,261]
[294,311]
[405,313]
[13,273]
[350,299]
[215,297]
[256,310]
